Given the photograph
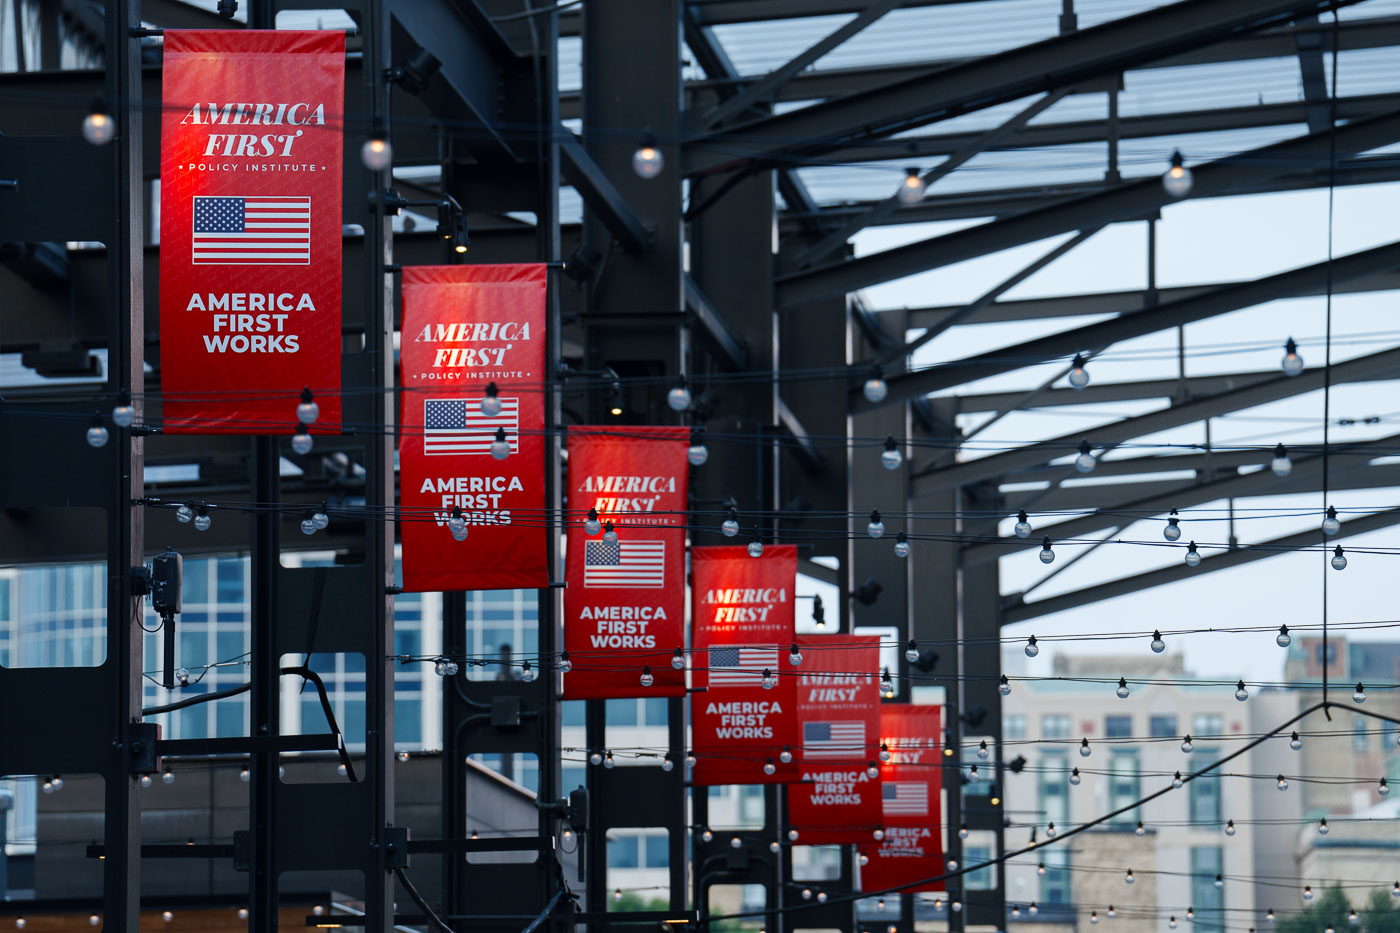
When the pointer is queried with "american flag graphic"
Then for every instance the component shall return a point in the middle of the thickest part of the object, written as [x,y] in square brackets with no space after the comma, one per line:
[457,426]
[844,739]
[257,231]
[624,563]
[904,798]
[740,665]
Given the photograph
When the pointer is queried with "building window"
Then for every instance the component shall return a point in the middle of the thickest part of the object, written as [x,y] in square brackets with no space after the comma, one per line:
[1204,725]
[1161,726]
[1013,726]
[1054,886]
[1360,740]
[1123,785]
[1054,726]
[1206,863]
[1118,727]
[622,851]
[1205,793]
[1054,788]
[983,879]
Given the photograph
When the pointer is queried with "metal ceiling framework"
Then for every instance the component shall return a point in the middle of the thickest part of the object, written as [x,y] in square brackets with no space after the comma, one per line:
[679,274]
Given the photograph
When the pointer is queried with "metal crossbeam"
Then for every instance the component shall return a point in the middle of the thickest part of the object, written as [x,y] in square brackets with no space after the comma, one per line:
[1140,198]
[579,169]
[1062,61]
[1014,611]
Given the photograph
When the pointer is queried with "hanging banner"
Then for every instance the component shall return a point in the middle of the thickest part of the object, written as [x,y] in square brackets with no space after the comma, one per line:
[250,218]
[624,606]
[465,327]
[838,714]
[743,618]
[911,786]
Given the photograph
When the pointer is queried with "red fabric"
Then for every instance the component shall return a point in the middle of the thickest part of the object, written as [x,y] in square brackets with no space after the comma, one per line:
[636,478]
[913,846]
[838,701]
[464,327]
[255,115]
[742,606]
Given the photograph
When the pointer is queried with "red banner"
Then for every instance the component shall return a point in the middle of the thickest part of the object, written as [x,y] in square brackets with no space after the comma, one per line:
[838,714]
[465,327]
[250,217]
[911,789]
[742,613]
[624,607]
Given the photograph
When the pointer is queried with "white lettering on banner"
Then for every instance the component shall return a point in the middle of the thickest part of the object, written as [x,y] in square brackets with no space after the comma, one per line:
[474,332]
[257,343]
[469,484]
[648,613]
[746,595]
[628,484]
[299,114]
[250,301]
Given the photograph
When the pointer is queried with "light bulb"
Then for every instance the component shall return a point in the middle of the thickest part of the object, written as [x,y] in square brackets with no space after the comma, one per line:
[565,665]
[202,521]
[457,524]
[1330,524]
[911,651]
[1074,777]
[1085,462]
[1186,745]
[1171,922]
[1047,556]
[1084,750]
[183,676]
[1284,639]
[98,127]
[1322,827]
[875,388]
[145,780]
[707,835]
[690,759]
[1339,559]
[184,514]
[1112,912]
[1032,909]
[730,528]
[57,782]
[301,440]
[792,835]
[491,401]
[1395,891]
[1122,690]
[341,770]
[769,767]
[1040,869]
[806,894]
[609,533]
[1352,918]
[1383,788]
[47,786]
[755,548]
[794,655]
[678,660]
[1128,877]
[1023,525]
[1177,179]
[1078,375]
[1193,558]
[1282,782]
[1094,916]
[1032,649]
[911,187]
[167,916]
[1281,465]
[608,760]
[901,545]
[1050,831]
[97,435]
[1270,915]
[500,447]
[320,518]
[774,847]
[768,682]
[244,775]
[377,154]
[666,763]
[444,667]
[954,905]
[647,679]
[982,750]
[307,409]
[785,756]
[1292,363]
[1241,693]
[527,673]
[1004,688]
[1230,827]
[591,525]
[678,399]
[697,454]
[648,161]
[21,923]
[123,415]
[1307,892]
[167,776]
[1141,830]
[890,457]
[617,894]
[872,770]
[1015,910]
[1173,530]
[1294,742]
[1176,780]
[94,920]
[1157,645]
[864,860]
[876,526]
[308,525]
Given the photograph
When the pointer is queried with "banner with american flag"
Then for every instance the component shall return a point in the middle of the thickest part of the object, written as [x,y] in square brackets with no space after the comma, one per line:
[251,139]
[833,739]
[458,426]
[743,623]
[904,798]
[471,332]
[624,564]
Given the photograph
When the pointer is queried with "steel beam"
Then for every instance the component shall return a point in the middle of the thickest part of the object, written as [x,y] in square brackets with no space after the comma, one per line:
[727,346]
[600,195]
[1062,61]
[1358,370]
[1107,333]
[1014,611]
[1139,198]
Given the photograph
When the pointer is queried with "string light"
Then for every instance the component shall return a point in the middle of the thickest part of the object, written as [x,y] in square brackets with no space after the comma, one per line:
[690,759]
[1282,782]
[1190,913]
[1093,916]
[707,836]
[500,447]
[1078,375]
[566,665]
[1322,827]
[615,398]
[875,388]
[769,767]
[774,847]
[1193,559]
[887,688]
[1383,788]
[1270,915]
[647,160]
[609,533]
[202,521]
[591,525]
[1084,750]
[1085,462]
[756,546]
[1307,892]
[307,409]
[244,775]
[1176,780]
[1173,530]
[1050,831]
[1352,918]
[320,519]
[911,187]
[1339,559]
[1294,742]
[1047,555]
[1281,465]
[1292,363]
[1022,527]
[1157,644]
[444,667]
[885,751]
[527,673]
[876,526]
[667,764]
[98,126]
[1330,524]
[1284,639]
[1112,912]
[184,514]
[1122,690]
[872,770]
[1040,869]
[457,524]
[1004,688]
[678,660]
[1140,830]
[97,435]
[647,679]
[1230,827]
[901,545]
[609,761]
[167,776]
[697,453]
[1177,179]
[1032,909]
[911,651]
[1032,648]
[891,458]
[792,835]
[1186,745]
[301,440]
[1171,922]
[678,399]
[730,526]
[785,756]
[1128,877]
[982,750]
[794,655]
[377,153]
[1074,777]
[768,682]
[1241,693]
